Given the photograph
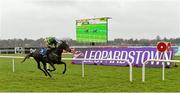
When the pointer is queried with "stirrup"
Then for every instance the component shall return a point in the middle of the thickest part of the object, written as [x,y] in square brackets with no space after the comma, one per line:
[45,56]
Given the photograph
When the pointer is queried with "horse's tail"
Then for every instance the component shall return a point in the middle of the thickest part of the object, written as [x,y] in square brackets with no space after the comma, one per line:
[28,56]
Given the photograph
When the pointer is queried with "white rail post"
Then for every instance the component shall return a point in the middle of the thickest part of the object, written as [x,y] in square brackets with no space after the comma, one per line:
[13,65]
[82,69]
[163,67]
[130,66]
[130,72]
[143,71]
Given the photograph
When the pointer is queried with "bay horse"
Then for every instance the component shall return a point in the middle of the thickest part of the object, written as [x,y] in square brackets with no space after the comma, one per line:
[54,57]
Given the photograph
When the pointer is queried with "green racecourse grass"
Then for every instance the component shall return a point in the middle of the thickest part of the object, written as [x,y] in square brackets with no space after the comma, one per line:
[97,78]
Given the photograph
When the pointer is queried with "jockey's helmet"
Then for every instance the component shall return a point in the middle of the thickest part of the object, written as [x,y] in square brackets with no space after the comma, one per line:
[49,40]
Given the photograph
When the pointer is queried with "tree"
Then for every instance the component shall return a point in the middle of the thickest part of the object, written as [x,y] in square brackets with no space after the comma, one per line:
[158,38]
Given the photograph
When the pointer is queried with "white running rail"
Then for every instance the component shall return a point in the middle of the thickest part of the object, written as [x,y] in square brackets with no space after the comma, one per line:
[83,72]
[157,60]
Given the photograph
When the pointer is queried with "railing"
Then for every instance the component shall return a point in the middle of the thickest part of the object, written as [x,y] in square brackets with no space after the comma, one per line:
[83,72]
[157,60]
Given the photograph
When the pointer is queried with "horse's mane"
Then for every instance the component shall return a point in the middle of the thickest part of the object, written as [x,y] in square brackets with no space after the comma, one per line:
[63,41]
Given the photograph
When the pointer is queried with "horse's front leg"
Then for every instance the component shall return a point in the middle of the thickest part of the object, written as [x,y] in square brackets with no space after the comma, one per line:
[64,66]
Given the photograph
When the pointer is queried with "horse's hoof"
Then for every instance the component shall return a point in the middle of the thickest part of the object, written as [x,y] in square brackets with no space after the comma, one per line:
[64,72]
[50,76]
[167,67]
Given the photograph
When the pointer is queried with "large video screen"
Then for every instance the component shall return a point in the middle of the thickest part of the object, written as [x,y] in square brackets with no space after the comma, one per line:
[92,30]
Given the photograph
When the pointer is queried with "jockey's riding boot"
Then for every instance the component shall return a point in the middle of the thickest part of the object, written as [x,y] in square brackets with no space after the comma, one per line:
[46,54]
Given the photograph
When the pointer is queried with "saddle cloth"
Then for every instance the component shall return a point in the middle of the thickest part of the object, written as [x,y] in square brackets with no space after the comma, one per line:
[43,51]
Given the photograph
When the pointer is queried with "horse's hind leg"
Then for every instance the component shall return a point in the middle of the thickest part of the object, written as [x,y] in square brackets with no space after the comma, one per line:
[44,66]
[39,67]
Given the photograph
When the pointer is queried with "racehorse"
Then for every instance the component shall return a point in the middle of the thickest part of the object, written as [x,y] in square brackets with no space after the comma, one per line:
[54,57]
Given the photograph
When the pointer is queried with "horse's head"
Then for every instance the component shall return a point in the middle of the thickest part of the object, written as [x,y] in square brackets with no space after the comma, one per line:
[63,45]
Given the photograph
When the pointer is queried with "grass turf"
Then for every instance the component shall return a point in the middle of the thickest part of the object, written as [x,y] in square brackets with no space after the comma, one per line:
[27,78]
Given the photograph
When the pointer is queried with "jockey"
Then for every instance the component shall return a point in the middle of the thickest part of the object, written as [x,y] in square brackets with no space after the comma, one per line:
[51,42]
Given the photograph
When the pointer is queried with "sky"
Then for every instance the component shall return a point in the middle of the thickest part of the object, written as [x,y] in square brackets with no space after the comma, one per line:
[137,19]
